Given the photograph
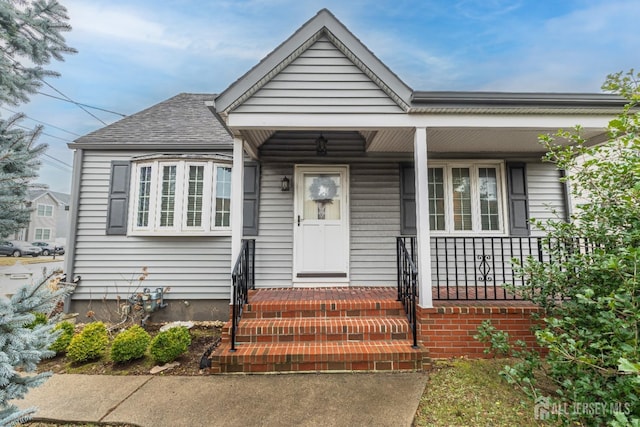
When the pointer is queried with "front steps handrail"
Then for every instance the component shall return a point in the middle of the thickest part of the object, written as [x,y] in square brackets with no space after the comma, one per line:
[408,282]
[243,279]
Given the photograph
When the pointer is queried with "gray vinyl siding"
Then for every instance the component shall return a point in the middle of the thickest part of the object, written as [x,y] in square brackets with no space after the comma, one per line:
[274,244]
[374,224]
[546,194]
[193,267]
[321,80]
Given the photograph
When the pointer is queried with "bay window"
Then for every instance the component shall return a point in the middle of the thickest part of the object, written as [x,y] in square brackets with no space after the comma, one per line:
[181,196]
[466,197]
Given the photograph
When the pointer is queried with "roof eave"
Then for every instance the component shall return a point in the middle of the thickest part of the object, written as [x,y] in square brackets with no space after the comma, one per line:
[422,100]
[102,145]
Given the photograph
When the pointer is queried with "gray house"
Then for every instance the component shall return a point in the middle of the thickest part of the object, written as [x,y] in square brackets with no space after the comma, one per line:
[49,221]
[320,168]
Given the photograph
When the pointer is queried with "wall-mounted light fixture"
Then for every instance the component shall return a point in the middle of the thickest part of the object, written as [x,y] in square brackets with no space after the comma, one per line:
[321,146]
[284,184]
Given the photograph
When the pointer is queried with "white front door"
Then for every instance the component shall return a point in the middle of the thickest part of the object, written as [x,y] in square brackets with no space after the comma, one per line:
[321,224]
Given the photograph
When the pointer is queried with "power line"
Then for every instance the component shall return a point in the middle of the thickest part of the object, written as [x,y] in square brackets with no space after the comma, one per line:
[40,121]
[69,99]
[74,102]
[56,166]
[44,133]
[84,105]
[57,160]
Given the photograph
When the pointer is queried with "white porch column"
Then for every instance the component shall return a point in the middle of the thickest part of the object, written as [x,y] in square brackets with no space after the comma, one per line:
[422,217]
[237,189]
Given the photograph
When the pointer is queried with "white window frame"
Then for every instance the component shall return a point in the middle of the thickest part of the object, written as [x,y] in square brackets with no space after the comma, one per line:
[42,230]
[179,226]
[476,226]
[45,207]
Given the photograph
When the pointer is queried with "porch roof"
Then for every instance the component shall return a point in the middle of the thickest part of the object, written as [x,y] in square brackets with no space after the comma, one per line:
[514,102]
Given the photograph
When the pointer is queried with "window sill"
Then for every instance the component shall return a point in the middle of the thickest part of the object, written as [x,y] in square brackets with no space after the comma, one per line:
[184,233]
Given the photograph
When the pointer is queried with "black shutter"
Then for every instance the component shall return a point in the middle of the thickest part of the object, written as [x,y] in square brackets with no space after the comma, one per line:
[251,199]
[118,198]
[407,200]
[518,199]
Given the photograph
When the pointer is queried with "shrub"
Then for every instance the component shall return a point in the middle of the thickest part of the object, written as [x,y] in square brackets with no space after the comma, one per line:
[66,333]
[168,345]
[40,319]
[130,344]
[589,284]
[90,344]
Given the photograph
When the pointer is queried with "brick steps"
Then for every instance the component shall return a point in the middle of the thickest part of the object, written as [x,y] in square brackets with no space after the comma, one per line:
[302,309]
[322,329]
[314,357]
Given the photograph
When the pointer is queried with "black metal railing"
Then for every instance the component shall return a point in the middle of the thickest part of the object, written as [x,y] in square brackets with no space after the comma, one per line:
[408,282]
[243,279]
[477,268]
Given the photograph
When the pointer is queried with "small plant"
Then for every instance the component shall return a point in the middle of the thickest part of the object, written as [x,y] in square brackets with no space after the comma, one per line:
[90,344]
[521,372]
[130,344]
[169,345]
[62,342]
[40,319]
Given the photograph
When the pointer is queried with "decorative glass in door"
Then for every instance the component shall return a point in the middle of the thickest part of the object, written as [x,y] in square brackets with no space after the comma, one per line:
[322,197]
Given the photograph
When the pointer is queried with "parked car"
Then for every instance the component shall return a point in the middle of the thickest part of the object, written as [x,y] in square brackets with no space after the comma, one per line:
[48,249]
[17,248]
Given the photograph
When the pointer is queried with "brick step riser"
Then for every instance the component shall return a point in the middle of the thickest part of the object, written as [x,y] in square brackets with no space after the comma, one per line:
[253,337]
[322,314]
[380,365]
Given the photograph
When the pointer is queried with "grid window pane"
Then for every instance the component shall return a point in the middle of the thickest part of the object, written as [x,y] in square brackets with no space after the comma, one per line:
[45,210]
[195,196]
[488,193]
[436,199]
[461,186]
[144,196]
[168,197]
[223,197]
[43,234]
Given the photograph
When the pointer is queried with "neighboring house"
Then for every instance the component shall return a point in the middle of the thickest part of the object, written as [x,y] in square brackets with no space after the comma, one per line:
[324,156]
[49,220]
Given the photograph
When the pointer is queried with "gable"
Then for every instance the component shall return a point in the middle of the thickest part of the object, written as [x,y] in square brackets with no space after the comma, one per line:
[301,55]
[322,79]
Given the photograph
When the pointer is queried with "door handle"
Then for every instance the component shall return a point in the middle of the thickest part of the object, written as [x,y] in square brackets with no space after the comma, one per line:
[298,220]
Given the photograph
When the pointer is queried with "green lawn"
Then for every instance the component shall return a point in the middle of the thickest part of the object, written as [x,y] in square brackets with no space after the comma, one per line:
[471,393]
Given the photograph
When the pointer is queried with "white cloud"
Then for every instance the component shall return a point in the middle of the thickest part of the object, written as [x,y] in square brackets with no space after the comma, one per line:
[486,9]
[573,52]
[122,23]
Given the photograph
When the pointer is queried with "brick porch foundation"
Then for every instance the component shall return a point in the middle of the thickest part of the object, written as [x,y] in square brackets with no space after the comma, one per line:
[447,330]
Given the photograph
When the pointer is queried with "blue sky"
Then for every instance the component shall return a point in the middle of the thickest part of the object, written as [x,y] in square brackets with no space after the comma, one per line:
[135,53]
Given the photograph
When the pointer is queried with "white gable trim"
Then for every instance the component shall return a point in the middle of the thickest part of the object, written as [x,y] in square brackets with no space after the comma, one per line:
[324,23]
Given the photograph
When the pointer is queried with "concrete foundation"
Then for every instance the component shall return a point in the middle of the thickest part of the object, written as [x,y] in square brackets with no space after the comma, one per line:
[195,310]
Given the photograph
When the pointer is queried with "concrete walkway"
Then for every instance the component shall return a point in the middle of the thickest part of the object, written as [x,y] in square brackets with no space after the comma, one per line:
[381,399]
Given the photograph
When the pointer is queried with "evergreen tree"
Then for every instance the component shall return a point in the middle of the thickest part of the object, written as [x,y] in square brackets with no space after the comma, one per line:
[23,345]
[30,36]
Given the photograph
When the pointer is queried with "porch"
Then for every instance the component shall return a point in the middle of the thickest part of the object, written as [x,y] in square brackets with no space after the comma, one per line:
[361,328]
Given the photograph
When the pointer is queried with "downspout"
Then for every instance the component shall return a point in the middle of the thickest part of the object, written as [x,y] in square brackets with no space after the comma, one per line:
[73,221]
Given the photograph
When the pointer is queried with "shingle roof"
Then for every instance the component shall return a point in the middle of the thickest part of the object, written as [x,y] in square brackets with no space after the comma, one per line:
[61,197]
[181,120]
